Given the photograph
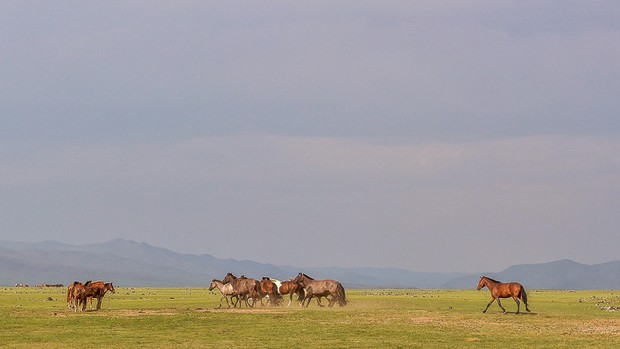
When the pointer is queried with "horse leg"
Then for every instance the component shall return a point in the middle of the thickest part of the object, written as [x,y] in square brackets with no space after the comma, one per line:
[332,301]
[488,305]
[518,303]
[318,302]
[308,297]
[253,298]
[236,302]
[500,305]
[290,299]
[301,295]
[272,298]
[99,303]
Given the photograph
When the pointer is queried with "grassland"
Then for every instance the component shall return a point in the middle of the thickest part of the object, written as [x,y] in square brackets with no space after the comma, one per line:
[167,318]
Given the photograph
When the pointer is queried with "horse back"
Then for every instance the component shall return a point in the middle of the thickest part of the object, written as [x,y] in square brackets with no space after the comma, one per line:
[323,287]
[509,289]
[95,289]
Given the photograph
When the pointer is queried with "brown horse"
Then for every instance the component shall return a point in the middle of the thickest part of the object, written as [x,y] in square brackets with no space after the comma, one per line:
[268,288]
[95,289]
[74,294]
[503,290]
[322,288]
[291,287]
[244,288]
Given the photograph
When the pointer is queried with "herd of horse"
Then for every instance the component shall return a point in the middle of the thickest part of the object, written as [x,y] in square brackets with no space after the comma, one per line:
[79,294]
[235,290]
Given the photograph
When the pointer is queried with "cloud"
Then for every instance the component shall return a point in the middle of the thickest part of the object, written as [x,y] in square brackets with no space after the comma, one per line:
[219,191]
[416,71]
[411,128]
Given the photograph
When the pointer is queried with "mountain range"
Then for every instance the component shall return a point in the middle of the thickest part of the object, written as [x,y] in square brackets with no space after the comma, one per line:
[130,263]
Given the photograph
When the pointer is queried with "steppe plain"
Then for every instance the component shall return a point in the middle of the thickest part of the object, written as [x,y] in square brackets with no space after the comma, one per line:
[390,318]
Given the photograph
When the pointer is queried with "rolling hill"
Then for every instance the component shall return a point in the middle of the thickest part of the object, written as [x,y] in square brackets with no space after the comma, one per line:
[129,263]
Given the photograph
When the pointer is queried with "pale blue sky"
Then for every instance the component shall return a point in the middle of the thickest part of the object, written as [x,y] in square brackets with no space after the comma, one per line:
[429,135]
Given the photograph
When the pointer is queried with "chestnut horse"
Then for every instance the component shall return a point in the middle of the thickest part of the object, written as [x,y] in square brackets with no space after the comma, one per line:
[322,288]
[268,288]
[244,288]
[74,294]
[95,289]
[291,287]
[503,290]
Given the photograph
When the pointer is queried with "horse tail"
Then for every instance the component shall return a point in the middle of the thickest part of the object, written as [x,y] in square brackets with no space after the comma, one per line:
[342,298]
[523,295]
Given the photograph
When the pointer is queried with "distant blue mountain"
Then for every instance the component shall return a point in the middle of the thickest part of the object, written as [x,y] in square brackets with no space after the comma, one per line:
[130,263]
[563,274]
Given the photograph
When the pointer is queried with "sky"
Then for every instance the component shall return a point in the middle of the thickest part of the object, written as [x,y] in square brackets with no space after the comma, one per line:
[440,136]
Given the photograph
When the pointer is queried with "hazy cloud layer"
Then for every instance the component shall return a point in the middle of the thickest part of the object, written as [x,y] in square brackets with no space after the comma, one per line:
[437,136]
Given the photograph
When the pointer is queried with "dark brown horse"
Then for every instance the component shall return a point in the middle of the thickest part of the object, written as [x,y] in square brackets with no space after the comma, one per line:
[322,288]
[499,290]
[244,288]
[95,289]
[268,288]
[291,287]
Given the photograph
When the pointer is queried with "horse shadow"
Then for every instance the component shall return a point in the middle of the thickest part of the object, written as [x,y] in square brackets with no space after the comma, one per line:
[520,313]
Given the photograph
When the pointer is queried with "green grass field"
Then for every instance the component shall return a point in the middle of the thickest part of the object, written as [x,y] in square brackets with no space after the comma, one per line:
[167,318]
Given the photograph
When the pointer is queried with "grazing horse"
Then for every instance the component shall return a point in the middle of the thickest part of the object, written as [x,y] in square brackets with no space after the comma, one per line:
[226,290]
[74,294]
[503,290]
[268,288]
[244,288]
[322,288]
[291,287]
[96,289]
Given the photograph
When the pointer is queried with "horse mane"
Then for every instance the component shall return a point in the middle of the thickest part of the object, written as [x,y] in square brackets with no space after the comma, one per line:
[309,277]
[88,282]
[492,280]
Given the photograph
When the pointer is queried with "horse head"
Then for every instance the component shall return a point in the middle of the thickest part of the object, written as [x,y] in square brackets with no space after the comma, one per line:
[229,278]
[481,283]
[213,285]
[301,279]
[108,286]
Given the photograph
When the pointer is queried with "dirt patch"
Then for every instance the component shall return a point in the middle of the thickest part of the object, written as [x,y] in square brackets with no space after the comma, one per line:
[423,320]
[240,311]
[601,327]
[142,312]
